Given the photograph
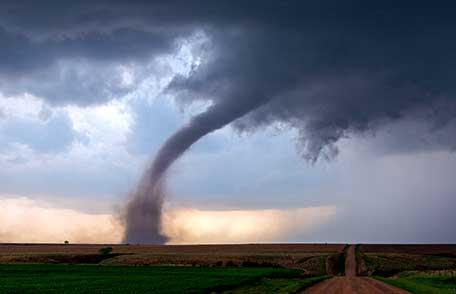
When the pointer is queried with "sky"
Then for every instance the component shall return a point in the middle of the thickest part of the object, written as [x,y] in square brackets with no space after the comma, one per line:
[338,119]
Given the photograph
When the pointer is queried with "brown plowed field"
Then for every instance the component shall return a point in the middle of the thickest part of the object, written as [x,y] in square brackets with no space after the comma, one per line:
[409,248]
[308,257]
[276,249]
[389,260]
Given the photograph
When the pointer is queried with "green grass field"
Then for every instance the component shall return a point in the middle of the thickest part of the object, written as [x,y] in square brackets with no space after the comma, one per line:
[44,278]
[277,286]
[423,283]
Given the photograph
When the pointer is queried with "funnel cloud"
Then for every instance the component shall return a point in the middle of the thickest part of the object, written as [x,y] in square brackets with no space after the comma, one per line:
[144,211]
[327,69]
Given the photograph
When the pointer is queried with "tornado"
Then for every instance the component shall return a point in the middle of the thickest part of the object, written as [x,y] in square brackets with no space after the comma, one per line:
[143,217]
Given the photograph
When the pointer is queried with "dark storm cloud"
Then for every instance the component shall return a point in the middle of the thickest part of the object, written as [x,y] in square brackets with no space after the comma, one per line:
[328,81]
[328,69]
[81,70]
[339,66]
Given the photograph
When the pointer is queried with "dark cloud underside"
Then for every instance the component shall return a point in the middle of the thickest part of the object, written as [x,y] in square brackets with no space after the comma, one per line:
[326,68]
[329,69]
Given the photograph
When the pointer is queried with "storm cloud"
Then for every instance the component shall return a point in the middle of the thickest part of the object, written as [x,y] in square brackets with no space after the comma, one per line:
[328,70]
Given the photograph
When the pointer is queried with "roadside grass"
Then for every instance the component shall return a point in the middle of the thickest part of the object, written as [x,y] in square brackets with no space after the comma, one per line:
[315,265]
[45,278]
[393,263]
[424,282]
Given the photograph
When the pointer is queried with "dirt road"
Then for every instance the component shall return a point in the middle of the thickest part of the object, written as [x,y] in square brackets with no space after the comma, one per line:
[351,283]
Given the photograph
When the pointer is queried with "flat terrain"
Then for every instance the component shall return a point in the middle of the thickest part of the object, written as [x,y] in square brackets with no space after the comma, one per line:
[39,278]
[436,249]
[428,282]
[293,249]
[247,268]
[389,260]
[309,258]
[351,283]
[418,268]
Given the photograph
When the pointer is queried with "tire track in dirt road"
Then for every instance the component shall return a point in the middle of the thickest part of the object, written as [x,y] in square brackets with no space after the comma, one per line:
[351,283]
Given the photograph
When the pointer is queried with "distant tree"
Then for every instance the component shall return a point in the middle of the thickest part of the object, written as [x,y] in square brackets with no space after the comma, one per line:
[66,242]
[105,250]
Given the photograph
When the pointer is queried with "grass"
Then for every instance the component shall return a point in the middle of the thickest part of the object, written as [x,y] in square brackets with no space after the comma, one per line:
[45,278]
[423,282]
[278,286]
[393,263]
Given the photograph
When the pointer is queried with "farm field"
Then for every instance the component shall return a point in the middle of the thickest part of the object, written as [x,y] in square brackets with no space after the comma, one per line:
[225,249]
[243,268]
[44,278]
[417,268]
[441,282]
[249,268]
[310,258]
[438,249]
[388,260]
